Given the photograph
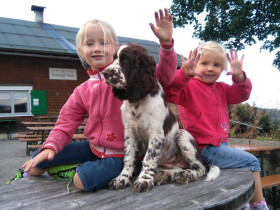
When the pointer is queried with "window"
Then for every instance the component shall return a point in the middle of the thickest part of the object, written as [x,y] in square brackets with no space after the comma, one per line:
[15,101]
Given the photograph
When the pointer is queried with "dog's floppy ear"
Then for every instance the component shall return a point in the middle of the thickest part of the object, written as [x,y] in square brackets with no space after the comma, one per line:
[119,93]
[142,79]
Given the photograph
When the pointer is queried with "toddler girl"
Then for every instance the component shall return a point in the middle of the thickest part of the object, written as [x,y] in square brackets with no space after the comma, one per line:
[203,107]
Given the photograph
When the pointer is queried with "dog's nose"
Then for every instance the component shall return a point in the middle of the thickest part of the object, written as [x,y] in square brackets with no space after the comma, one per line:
[107,73]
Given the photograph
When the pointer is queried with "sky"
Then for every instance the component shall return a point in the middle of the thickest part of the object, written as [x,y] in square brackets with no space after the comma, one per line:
[131,18]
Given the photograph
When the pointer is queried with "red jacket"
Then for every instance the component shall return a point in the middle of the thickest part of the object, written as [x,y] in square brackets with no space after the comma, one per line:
[104,128]
[203,108]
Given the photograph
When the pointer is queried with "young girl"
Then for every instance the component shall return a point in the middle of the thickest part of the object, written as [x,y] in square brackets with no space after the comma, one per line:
[203,107]
[101,156]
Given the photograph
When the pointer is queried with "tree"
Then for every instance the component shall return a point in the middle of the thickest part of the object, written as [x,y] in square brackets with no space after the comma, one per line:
[232,22]
[265,123]
[243,119]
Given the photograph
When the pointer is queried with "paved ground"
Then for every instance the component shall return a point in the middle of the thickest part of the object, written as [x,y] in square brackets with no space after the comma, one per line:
[12,156]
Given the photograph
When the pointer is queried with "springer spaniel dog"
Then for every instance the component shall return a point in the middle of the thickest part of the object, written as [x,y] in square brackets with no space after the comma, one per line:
[151,130]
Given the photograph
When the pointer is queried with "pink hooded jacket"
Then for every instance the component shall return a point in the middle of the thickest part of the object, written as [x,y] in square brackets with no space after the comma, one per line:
[203,108]
[104,128]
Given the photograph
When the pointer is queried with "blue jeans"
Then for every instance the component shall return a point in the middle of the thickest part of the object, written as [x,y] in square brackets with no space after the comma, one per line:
[94,172]
[224,156]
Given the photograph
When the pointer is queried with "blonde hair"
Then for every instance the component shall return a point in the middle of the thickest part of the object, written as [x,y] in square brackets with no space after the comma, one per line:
[215,47]
[108,31]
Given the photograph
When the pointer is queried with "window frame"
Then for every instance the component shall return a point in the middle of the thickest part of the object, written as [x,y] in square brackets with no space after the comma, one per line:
[13,89]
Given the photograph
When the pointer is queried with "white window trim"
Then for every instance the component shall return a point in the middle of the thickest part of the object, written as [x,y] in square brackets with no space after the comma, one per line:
[15,88]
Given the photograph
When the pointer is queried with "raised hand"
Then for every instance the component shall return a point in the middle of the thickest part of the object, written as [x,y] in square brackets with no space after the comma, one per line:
[164,26]
[190,64]
[236,66]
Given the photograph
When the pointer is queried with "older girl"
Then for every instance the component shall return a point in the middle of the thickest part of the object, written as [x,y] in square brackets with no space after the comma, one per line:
[101,156]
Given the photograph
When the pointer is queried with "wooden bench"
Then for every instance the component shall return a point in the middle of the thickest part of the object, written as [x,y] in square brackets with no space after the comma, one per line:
[35,146]
[32,141]
[28,136]
[7,123]
[271,181]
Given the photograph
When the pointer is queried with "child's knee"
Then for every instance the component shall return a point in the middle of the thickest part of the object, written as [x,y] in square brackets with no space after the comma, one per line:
[36,171]
[77,182]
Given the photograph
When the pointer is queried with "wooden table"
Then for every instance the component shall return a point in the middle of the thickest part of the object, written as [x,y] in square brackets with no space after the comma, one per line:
[49,128]
[7,125]
[45,130]
[46,118]
[231,190]
[47,123]
[256,149]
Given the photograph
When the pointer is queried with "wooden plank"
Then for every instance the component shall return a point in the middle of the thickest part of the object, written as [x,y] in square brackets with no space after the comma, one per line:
[48,128]
[270,181]
[253,148]
[231,190]
[38,123]
[30,140]
[34,146]
[28,136]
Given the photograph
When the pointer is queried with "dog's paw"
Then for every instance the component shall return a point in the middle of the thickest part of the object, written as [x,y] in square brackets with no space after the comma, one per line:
[184,177]
[120,182]
[143,184]
[162,177]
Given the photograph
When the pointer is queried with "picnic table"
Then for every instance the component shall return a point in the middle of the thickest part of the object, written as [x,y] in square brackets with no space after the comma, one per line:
[43,123]
[231,190]
[45,130]
[258,150]
[7,123]
[46,118]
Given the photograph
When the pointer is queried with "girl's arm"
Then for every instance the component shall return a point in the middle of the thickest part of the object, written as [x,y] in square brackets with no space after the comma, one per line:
[166,68]
[241,89]
[176,92]
[70,117]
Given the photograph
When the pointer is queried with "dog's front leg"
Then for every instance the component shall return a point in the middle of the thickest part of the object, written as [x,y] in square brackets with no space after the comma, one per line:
[124,179]
[145,180]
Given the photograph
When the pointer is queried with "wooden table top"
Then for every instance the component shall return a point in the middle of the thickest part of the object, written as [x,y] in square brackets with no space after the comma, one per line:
[38,123]
[254,148]
[231,190]
[45,128]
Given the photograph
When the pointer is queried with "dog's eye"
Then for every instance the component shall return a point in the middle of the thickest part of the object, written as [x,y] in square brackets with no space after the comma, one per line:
[125,61]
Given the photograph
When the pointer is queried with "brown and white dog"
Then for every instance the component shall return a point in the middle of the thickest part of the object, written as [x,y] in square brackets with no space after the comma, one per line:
[151,130]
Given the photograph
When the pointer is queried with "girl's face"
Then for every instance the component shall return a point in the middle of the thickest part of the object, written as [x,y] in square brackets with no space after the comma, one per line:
[209,66]
[97,52]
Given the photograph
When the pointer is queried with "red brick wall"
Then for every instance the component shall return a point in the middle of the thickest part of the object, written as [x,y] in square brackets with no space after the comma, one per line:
[24,70]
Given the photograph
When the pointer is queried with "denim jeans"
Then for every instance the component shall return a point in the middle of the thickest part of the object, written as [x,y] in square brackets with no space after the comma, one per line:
[94,172]
[224,156]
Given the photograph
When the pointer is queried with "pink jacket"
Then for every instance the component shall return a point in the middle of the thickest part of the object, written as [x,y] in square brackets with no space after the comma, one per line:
[203,108]
[104,128]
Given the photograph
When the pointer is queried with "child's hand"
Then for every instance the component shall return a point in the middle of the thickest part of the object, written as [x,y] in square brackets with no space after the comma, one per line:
[190,64]
[164,27]
[46,154]
[236,69]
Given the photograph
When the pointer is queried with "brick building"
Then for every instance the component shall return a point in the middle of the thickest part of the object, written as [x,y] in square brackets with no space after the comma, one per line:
[39,66]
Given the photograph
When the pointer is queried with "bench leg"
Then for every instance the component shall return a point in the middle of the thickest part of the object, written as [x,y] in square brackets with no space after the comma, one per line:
[8,130]
[274,198]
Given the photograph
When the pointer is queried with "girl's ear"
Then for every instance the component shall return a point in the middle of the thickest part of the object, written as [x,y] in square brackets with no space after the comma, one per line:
[80,52]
